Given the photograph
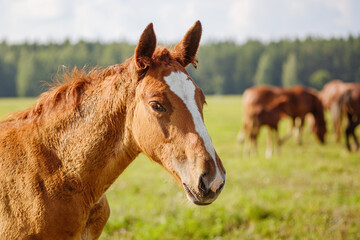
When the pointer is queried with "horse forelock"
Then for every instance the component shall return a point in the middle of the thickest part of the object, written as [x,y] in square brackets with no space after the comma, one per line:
[161,56]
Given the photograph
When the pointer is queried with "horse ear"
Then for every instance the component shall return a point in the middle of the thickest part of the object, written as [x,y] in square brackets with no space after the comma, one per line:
[145,48]
[185,51]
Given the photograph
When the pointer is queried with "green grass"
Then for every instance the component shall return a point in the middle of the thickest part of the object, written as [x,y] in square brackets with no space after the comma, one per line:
[8,105]
[305,192]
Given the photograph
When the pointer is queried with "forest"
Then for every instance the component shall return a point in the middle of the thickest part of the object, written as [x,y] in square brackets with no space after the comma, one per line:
[224,67]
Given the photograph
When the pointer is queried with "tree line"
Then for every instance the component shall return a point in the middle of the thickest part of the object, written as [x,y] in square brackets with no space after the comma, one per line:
[224,67]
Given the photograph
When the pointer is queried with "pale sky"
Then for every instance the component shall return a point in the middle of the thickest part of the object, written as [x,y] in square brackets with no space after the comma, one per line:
[118,20]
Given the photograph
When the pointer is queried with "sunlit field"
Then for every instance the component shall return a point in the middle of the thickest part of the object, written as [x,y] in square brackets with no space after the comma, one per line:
[305,192]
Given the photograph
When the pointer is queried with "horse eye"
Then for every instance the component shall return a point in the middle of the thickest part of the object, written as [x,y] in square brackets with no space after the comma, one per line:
[157,106]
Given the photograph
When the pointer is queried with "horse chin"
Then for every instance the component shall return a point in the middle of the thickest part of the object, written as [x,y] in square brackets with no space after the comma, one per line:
[202,204]
[194,197]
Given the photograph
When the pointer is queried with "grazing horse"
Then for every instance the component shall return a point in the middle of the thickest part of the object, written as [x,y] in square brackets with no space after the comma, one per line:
[262,106]
[59,157]
[350,104]
[303,100]
[330,97]
[265,105]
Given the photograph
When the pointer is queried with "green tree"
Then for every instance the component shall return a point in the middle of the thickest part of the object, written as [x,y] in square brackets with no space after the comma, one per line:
[319,78]
[224,67]
[264,69]
[115,53]
[247,59]
[7,76]
[289,71]
[25,69]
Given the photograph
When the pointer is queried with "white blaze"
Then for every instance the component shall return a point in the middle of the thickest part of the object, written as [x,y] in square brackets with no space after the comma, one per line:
[184,88]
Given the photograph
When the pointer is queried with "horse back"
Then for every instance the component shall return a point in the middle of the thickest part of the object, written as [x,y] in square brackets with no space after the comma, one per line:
[263,105]
[303,100]
[260,95]
[333,91]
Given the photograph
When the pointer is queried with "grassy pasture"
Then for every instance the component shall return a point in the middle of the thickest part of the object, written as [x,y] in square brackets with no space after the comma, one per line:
[305,192]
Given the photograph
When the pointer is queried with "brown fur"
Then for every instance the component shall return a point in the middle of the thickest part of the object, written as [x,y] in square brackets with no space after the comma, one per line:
[350,104]
[330,97]
[261,107]
[302,101]
[59,157]
[265,105]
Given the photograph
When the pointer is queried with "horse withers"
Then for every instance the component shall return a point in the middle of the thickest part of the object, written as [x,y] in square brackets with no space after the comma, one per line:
[59,157]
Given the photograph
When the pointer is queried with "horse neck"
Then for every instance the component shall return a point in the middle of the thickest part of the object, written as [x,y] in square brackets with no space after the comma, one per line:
[94,142]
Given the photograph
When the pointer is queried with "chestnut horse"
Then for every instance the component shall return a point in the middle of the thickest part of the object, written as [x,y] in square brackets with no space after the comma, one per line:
[262,107]
[59,157]
[350,105]
[303,101]
[265,105]
[330,97]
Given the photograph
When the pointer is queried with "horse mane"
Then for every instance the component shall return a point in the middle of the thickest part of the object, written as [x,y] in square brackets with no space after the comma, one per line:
[70,86]
[66,89]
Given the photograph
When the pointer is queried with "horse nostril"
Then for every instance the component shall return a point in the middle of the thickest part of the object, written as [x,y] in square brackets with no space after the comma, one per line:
[221,187]
[202,185]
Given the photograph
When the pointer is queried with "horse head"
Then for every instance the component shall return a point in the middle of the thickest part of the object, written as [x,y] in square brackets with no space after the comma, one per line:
[319,128]
[167,122]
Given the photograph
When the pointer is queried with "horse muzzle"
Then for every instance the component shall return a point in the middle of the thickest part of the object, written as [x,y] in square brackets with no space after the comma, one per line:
[203,194]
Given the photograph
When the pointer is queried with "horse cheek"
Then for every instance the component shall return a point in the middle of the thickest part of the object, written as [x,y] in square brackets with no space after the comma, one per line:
[146,132]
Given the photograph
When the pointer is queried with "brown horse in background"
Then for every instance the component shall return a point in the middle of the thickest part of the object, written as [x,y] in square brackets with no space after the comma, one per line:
[58,158]
[265,105]
[330,97]
[303,101]
[350,104]
[261,107]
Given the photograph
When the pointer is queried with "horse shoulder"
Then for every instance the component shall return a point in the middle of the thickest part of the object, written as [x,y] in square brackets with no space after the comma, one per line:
[36,196]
